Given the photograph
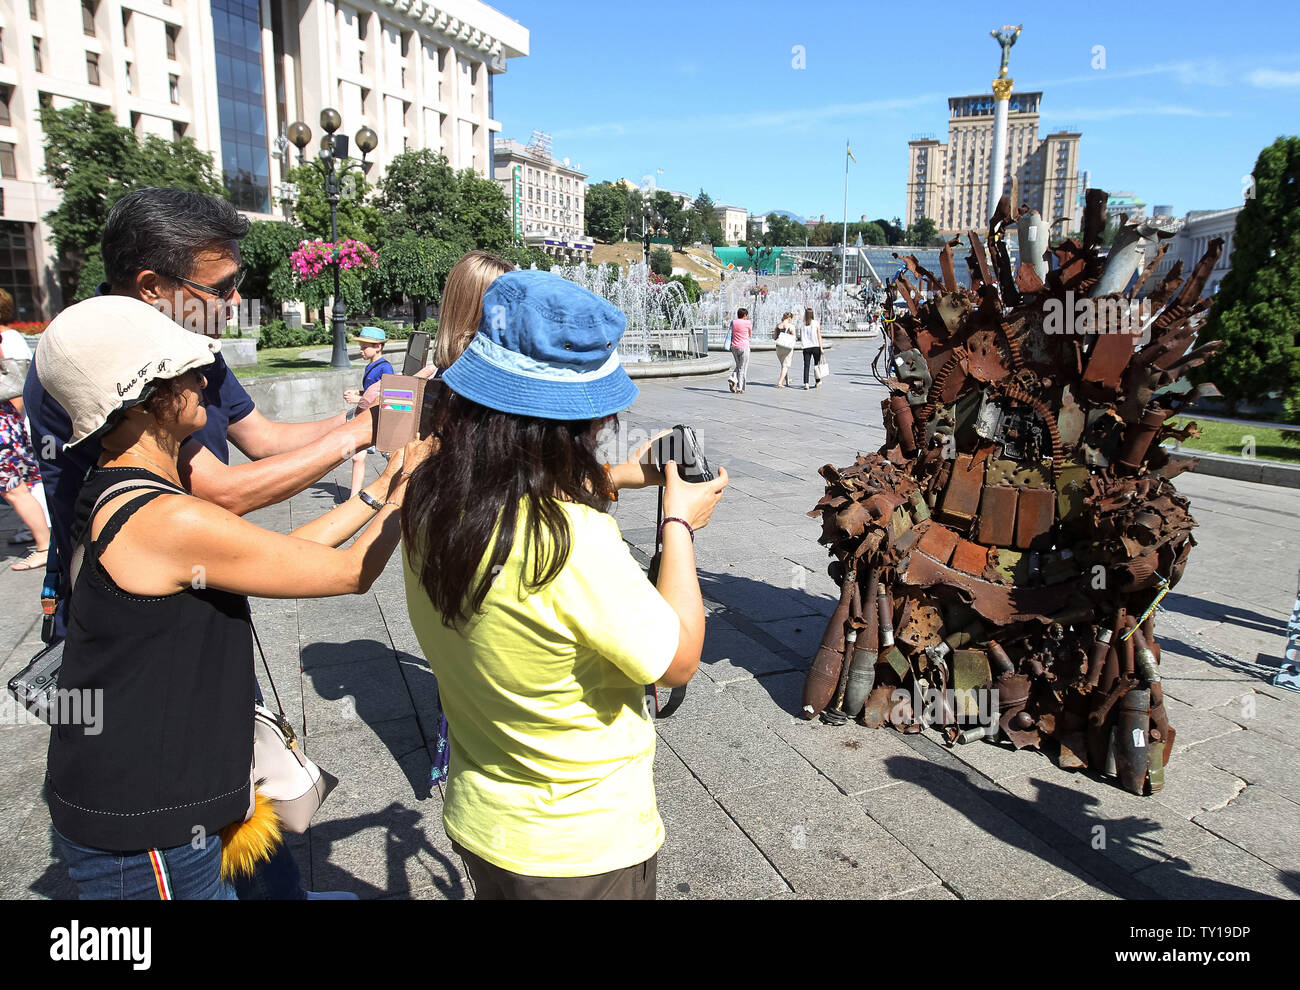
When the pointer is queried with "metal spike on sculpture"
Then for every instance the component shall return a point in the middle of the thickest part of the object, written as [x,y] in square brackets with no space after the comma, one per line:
[1018,527]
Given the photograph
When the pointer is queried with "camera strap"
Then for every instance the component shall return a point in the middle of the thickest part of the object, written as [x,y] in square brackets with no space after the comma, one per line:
[678,694]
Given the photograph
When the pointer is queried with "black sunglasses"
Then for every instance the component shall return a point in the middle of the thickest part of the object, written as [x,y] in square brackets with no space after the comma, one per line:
[222,294]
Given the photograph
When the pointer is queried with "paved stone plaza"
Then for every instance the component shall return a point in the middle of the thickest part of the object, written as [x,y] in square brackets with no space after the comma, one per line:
[757,802]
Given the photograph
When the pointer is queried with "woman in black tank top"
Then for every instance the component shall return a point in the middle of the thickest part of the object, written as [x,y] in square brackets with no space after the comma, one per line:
[159,636]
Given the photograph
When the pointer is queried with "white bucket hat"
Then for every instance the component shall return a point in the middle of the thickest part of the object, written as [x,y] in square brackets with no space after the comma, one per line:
[95,358]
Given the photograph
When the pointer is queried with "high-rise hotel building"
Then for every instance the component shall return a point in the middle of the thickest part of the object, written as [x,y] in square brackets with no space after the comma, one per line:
[233,74]
[949,183]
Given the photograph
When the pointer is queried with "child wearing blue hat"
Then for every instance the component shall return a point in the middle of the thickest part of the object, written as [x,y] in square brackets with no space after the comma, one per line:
[372,341]
[540,626]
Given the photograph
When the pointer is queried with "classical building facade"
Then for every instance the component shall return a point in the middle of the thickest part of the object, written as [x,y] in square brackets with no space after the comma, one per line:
[949,183]
[547,198]
[1193,239]
[233,74]
[735,222]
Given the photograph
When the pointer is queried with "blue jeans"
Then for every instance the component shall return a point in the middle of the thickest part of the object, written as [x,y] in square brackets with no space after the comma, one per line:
[181,873]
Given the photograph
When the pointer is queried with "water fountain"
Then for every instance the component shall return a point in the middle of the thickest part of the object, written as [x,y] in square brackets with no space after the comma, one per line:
[662,324]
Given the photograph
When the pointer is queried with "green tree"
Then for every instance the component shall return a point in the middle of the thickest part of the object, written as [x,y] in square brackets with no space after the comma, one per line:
[356,217]
[921,233]
[419,192]
[93,163]
[484,215]
[688,284]
[705,225]
[783,231]
[412,267]
[1256,311]
[893,231]
[661,262]
[605,211]
[265,253]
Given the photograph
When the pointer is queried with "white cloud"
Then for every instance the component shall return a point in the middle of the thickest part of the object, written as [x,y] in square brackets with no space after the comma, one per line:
[1273,79]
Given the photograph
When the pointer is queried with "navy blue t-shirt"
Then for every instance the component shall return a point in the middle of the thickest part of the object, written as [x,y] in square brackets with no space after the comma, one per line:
[376,370]
[64,471]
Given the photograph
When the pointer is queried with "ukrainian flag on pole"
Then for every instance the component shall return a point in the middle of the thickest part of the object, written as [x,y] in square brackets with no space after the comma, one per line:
[849,151]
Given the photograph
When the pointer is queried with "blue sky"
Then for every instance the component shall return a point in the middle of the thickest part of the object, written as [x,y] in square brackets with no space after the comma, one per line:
[1189,93]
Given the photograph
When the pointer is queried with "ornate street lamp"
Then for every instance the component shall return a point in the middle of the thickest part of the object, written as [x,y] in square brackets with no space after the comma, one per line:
[332,162]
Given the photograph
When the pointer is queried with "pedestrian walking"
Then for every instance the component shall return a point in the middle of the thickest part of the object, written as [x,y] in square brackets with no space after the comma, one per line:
[741,329]
[785,341]
[810,336]
[541,628]
[372,351]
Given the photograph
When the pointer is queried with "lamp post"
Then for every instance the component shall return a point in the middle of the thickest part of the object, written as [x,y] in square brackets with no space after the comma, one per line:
[332,162]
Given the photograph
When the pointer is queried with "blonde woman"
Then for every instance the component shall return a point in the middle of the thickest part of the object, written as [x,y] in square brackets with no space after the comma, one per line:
[462,303]
[784,337]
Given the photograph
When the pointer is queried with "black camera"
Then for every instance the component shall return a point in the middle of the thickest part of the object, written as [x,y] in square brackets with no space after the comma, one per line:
[681,445]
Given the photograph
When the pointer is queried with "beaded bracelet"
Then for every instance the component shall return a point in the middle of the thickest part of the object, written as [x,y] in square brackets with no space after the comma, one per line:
[668,519]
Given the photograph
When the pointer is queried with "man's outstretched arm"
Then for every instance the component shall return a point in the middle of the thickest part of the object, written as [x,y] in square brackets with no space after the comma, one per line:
[245,487]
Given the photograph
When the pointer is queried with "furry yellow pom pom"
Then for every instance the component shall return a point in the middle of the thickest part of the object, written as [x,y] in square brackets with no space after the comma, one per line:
[245,844]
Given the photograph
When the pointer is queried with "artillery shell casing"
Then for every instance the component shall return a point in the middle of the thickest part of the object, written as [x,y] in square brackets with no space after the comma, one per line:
[902,410]
[1138,437]
[970,735]
[918,505]
[1132,752]
[1097,658]
[886,608]
[998,659]
[1110,768]
[824,674]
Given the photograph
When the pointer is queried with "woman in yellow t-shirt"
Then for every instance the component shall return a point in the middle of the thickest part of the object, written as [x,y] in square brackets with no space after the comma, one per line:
[541,628]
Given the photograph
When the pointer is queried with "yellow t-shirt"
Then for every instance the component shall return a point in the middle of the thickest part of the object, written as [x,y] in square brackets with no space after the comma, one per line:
[551,746]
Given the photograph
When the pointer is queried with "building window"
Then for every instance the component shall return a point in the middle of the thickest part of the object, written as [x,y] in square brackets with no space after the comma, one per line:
[129,78]
[92,68]
[2,46]
[6,93]
[174,87]
[8,169]
[173,33]
[37,61]
[88,8]
[34,9]
[241,102]
[178,130]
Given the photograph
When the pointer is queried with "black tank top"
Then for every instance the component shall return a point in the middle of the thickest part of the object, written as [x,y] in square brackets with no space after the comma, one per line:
[172,758]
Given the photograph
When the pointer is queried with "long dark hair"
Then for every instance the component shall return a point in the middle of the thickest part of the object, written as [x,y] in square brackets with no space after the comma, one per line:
[488,466]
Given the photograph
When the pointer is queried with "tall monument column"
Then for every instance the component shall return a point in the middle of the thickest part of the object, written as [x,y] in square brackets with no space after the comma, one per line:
[1001,100]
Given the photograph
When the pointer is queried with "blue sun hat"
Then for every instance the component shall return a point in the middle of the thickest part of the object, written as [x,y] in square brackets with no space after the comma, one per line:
[374,335]
[546,347]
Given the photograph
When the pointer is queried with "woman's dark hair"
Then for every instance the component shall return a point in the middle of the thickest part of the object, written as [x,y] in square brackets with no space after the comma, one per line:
[741,313]
[161,398]
[809,315]
[489,466]
[161,229]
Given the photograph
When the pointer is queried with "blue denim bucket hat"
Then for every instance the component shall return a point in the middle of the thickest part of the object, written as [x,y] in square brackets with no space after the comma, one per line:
[546,347]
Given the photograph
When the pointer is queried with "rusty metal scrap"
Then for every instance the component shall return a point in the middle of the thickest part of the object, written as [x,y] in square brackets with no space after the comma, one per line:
[999,556]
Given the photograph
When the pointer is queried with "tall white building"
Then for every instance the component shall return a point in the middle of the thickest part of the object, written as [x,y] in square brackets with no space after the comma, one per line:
[233,74]
[949,183]
[548,199]
[1193,240]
